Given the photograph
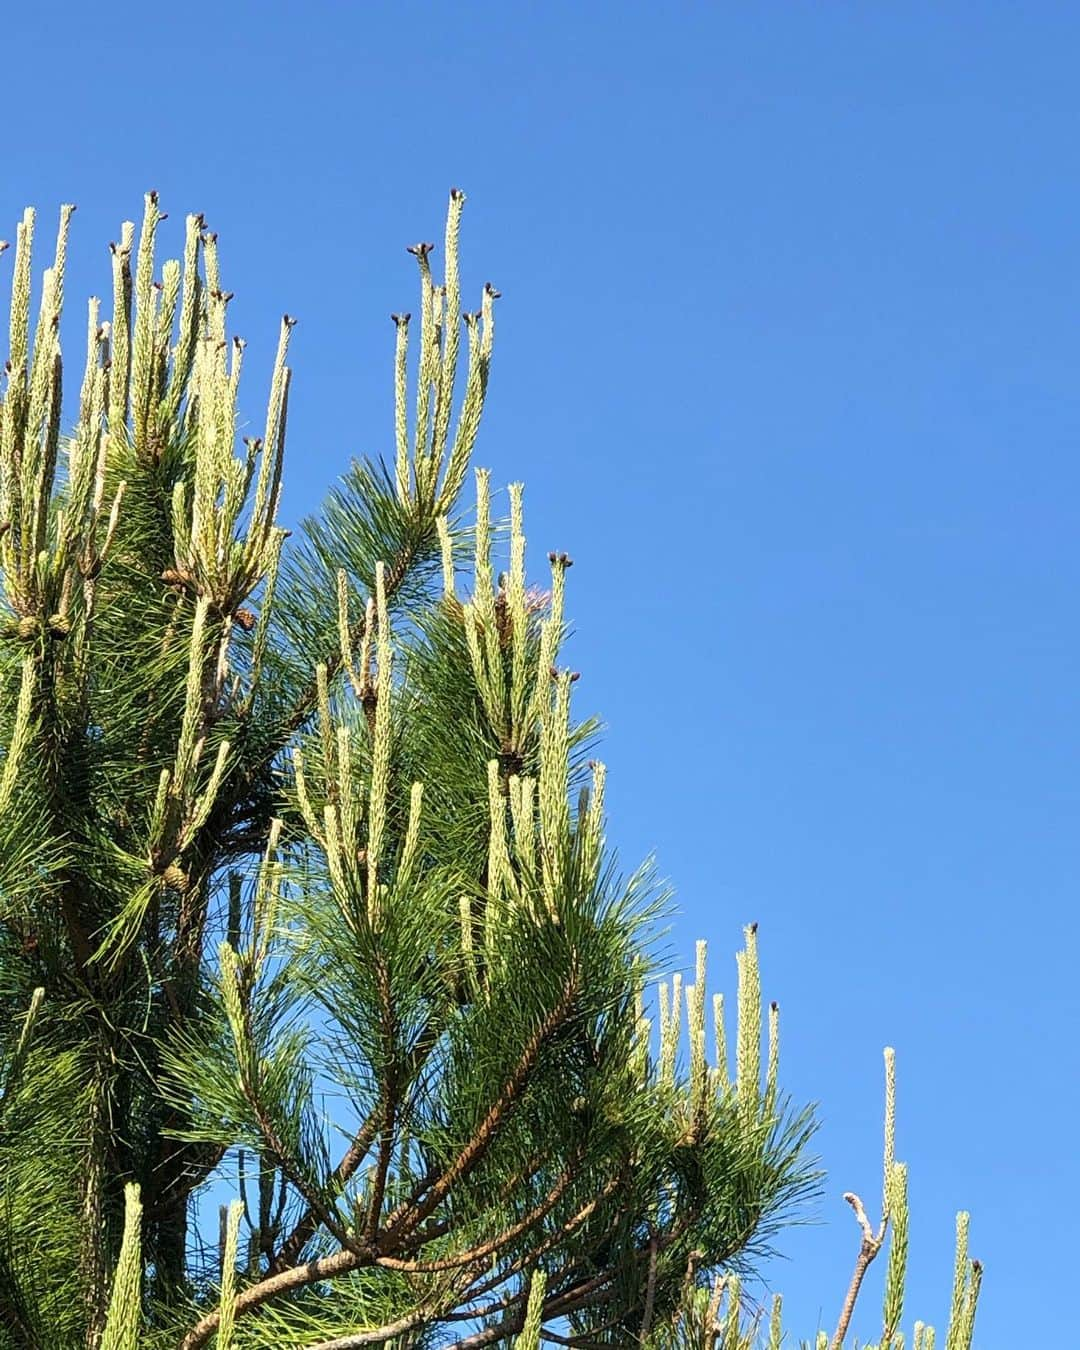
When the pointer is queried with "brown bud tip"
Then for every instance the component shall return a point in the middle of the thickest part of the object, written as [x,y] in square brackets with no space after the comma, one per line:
[289,320]
[774,1006]
[200,220]
[566,560]
[163,215]
[490,290]
[753,926]
[400,319]
[976,1265]
[554,673]
[3,245]
[210,237]
[575,676]
[158,286]
[420,250]
[226,296]
[153,197]
[456,195]
[553,557]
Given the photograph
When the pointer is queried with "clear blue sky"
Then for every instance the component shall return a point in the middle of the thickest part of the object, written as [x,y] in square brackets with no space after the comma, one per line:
[789,358]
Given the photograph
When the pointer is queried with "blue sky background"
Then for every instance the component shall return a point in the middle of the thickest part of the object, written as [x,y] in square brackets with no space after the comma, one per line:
[788,358]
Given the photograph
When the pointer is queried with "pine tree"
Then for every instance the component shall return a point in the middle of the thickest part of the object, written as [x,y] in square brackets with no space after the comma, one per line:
[304,894]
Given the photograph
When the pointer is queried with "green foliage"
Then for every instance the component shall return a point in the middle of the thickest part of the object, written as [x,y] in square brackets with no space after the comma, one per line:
[718,1316]
[304,891]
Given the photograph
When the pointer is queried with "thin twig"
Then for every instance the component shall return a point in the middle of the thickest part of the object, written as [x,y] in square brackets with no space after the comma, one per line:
[868,1249]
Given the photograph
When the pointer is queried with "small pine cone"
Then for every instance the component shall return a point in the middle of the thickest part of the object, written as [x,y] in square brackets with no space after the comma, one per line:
[244,619]
[59,627]
[176,878]
[29,627]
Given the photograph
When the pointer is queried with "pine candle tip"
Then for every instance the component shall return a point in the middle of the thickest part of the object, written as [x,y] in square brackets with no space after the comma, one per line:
[399,319]
[419,250]
[490,290]
[575,675]
[456,194]
[753,926]
[774,1006]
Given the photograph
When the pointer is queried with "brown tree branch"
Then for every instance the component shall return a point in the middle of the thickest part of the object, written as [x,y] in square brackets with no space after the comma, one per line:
[868,1249]
[485,1249]
[296,1277]
[307,1225]
[415,1210]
